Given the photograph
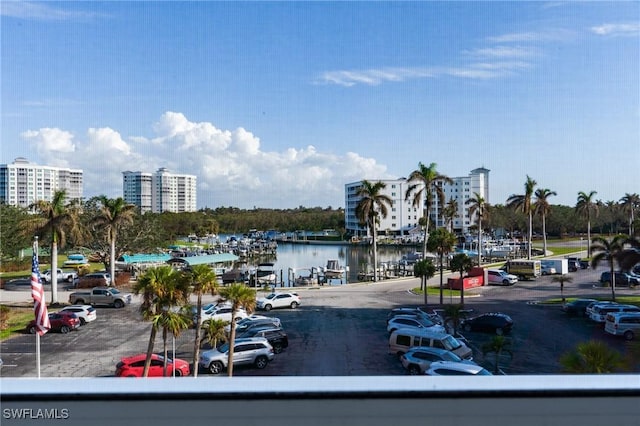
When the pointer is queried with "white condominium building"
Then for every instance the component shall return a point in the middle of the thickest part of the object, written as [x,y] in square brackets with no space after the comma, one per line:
[161,191]
[403,216]
[22,183]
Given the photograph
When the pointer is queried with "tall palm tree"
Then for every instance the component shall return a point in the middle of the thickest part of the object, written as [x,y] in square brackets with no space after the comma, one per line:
[450,212]
[630,203]
[442,242]
[603,250]
[425,269]
[585,206]
[564,278]
[171,322]
[479,207]
[523,203]
[114,215]
[202,279]
[424,188]
[240,296]
[592,357]
[461,263]
[543,208]
[160,293]
[57,220]
[372,204]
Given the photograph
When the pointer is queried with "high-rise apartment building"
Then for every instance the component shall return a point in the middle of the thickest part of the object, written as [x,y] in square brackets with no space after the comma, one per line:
[404,217]
[22,183]
[161,191]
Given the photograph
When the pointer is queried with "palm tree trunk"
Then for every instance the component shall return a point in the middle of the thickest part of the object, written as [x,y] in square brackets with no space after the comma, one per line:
[479,241]
[197,342]
[164,351]
[425,215]
[54,271]
[232,341]
[441,274]
[423,279]
[112,261]
[147,361]
[544,236]
[375,254]
[530,234]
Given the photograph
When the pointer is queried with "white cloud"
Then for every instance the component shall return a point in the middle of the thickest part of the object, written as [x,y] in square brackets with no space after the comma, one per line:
[624,29]
[40,11]
[232,166]
[532,36]
[503,52]
[49,141]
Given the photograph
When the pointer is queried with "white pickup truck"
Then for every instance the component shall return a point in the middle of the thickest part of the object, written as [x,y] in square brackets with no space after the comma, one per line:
[67,276]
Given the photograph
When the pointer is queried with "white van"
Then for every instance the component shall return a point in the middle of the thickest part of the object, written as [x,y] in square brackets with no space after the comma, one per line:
[625,324]
[599,312]
[402,339]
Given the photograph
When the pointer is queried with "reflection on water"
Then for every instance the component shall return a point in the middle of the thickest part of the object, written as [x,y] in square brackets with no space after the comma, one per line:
[305,256]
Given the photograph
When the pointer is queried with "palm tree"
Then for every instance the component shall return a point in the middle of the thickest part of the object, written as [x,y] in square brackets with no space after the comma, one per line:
[171,322]
[543,208]
[425,269]
[160,293]
[479,206]
[240,296]
[608,250]
[584,207]
[453,316]
[564,278]
[442,242]
[371,205]
[498,345]
[114,215]
[202,279]
[424,188]
[450,212]
[54,219]
[592,357]
[523,203]
[214,331]
[461,263]
[630,203]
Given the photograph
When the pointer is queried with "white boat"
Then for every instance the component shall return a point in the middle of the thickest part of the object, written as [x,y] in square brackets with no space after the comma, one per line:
[333,270]
[305,277]
[266,273]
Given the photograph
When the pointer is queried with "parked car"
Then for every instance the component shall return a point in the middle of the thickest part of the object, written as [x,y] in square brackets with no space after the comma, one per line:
[276,337]
[418,359]
[547,269]
[403,339]
[279,300]
[244,326]
[133,366]
[625,324]
[86,313]
[63,322]
[94,279]
[498,276]
[417,312]
[577,307]
[223,313]
[408,321]
[254,350]
[591,306]
[599,312]
[447,368]
[622,279]
[497,323]
[574,264]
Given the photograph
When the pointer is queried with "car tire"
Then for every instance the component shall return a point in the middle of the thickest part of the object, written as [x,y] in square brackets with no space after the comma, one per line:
[82,321]
[261,362]
[628,335]
[267,307]
[499,331]
[118,304]
[414,370]
[64,329]
[505,282]
[277,348]
[79,302]
[467,327]
[216,367]
[69,279]
[178,373]
[32,329]
[294,305]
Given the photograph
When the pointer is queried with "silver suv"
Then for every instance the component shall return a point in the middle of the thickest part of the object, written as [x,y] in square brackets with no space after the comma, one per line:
[253,350]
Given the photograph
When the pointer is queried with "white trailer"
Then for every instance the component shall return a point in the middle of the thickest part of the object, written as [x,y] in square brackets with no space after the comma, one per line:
[560,265]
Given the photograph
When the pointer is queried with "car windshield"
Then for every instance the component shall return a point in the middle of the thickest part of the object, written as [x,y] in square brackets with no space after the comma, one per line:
[451,343]
[115,291]
[223,348]
[271,296]
[450,356]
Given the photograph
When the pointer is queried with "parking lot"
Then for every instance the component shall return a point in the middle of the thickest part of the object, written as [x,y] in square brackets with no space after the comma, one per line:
[337,331]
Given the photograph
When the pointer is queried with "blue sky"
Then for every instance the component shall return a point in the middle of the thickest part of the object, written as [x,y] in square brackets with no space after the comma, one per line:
[279,104]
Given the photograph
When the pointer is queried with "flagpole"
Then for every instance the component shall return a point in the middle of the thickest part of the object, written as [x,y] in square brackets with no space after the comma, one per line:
[35,256]
[42,323]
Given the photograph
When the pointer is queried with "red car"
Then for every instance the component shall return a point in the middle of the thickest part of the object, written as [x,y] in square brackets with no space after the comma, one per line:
[134,365]
[63,322]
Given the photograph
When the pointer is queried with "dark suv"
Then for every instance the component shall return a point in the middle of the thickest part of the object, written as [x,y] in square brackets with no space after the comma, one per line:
[622,278]
[492,323]
[578,307]
[275,336]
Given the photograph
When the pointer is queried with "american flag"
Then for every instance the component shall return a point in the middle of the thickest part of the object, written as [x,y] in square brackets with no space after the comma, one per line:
[37,292]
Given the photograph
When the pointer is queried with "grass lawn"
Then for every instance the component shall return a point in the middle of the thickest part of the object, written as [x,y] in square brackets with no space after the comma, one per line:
[16,320]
